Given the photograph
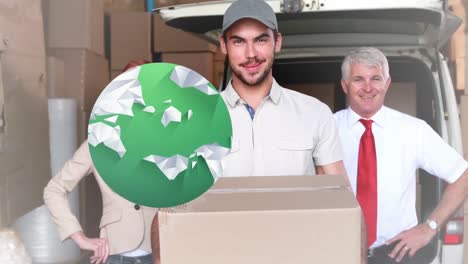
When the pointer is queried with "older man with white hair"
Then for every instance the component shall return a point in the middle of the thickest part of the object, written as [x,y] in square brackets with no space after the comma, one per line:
[383,149]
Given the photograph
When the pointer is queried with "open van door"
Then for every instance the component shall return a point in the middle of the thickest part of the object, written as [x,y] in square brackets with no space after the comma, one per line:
[339,23]
[410,32]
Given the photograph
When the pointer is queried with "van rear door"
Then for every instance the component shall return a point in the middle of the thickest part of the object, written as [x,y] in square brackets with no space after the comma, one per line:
[338,23]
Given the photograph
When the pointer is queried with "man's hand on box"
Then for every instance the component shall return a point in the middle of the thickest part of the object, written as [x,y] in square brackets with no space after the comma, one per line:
[410,241]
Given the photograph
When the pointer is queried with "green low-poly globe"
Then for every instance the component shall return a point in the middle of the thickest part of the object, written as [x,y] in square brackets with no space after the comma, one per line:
[157,134]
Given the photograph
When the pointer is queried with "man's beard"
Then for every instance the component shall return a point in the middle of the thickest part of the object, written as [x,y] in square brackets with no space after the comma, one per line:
[263,75]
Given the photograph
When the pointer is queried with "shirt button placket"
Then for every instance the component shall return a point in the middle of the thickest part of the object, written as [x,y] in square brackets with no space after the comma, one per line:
[257,138]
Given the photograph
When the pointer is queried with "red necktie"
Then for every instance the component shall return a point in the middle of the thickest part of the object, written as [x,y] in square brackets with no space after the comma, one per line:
[367,181]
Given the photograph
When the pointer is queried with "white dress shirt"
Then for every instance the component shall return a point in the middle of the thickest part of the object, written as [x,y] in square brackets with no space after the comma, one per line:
[403,145]
[289,134]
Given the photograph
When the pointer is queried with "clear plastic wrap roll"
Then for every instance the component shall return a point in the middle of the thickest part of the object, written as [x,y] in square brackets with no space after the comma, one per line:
[36,228]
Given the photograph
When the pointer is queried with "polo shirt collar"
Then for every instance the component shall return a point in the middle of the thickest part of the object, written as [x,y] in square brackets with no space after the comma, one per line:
[275,92]
[232,97]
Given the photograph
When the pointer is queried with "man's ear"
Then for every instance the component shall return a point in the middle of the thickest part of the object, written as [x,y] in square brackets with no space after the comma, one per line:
[279,42]
[222,44]
[388,82]
[344,86]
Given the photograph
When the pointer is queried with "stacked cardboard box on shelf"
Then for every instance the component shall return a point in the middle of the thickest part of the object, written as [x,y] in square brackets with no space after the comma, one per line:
[129,38]
[325,92]
[124,5]
[201,62]
[219,63]
[457,46]
[281,219]
[75,24]
[75,36]
[163,3]
[77,68]
[186,49]
[24,129]
[85,75]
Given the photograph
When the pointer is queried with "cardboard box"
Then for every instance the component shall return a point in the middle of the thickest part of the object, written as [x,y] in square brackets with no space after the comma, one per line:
[457,40]
[124,5]
[219,56]
[58,88]
[130,38]
[86,75]
[24,158]
[289,219]
[460,66]
[324,92]
[75,24]
[402,97]
[114,73]
[163,3]
[83,120]
[201,62]
[55,78]
[24,135]
[168,39]
[219,59]
[218,73]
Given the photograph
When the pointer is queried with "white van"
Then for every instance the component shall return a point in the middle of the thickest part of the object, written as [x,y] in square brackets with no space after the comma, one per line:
[316,36]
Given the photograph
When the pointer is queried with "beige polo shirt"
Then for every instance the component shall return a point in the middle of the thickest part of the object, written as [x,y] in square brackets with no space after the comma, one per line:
[290,134]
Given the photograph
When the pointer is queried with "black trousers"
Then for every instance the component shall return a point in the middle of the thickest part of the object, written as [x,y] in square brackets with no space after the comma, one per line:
[379,255]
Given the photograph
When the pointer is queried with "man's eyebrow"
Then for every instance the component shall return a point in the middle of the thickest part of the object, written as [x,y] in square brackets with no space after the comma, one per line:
[263,35]
[236,37]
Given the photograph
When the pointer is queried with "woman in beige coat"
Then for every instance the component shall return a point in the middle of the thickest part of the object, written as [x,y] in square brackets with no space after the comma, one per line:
[125,226]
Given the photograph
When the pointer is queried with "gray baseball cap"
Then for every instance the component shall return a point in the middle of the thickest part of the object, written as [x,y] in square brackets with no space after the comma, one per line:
[255,9]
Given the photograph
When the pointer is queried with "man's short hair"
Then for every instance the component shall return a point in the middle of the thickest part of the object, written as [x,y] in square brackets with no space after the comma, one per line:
[369,56]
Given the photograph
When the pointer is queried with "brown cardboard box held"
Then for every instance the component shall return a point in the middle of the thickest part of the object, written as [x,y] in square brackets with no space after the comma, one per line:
[201,62]
[285,219]
[130,38]
[168,39]
[75,24]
